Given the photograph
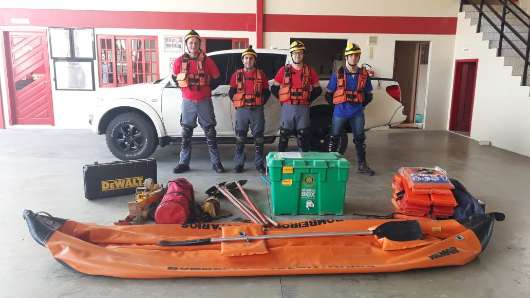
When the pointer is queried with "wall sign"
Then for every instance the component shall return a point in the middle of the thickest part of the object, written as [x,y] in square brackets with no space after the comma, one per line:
[173,44]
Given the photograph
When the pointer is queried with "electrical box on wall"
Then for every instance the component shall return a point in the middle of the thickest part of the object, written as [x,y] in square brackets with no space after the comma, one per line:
[372,42]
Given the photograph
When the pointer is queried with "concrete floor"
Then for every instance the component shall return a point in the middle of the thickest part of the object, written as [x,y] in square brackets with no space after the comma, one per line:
[42,170]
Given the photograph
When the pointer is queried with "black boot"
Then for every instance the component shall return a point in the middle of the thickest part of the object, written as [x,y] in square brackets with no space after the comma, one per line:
[218,168]
[239,169]
[261,169]
[259,158]
[283,141]
[333,143]
[363,167]
[181,168]
[304,143]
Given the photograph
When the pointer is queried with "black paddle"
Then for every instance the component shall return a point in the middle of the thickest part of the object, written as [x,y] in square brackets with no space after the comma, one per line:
[407,230]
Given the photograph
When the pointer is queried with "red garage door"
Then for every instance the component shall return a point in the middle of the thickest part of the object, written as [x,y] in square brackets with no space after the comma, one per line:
[29,78]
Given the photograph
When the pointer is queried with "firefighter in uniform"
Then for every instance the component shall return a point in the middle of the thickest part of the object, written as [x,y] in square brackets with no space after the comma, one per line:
[350,90]
[249,91]
[296,85]
[196,75]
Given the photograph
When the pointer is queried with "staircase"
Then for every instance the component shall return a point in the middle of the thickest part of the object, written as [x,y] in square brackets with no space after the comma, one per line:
[514,27]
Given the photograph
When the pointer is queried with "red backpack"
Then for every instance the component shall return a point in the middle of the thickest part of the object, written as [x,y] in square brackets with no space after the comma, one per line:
[177,204]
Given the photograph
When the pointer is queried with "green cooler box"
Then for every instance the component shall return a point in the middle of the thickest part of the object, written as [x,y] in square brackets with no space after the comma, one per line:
[307,183]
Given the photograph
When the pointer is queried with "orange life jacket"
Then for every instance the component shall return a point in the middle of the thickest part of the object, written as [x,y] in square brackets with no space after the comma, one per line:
[295,96]
[242,99]
[423,192]
[186,79]
[342,95]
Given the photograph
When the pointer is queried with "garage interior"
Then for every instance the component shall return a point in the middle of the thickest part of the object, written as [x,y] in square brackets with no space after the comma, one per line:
[452,67]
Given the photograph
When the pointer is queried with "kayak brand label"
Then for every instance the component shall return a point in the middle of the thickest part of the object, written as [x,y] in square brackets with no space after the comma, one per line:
[444,253]
[123,183]
[292,225]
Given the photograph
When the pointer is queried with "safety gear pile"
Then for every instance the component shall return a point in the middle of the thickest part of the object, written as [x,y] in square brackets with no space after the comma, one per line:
[423,192]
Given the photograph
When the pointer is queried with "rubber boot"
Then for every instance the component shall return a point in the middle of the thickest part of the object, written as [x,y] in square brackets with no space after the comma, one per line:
[304,143]
[283,141]
[259,158]
[333,143]
[363,167]
[239,154]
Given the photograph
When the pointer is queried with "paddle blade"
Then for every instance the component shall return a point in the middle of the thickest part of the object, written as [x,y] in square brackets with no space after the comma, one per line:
[407,230]
[202,241]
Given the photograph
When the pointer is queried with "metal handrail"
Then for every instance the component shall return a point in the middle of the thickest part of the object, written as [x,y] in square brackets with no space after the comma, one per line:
[527,22]
[504,23]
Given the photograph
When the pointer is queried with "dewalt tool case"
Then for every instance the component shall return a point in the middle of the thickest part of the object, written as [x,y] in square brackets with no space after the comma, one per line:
[117,178]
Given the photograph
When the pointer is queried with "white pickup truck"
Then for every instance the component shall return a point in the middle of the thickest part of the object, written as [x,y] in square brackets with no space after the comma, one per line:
[138,118]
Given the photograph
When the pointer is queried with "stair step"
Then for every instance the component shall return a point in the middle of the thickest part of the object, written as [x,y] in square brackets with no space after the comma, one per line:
[497,22]
[494,43]
[523,30]
[513,61]
[510,52]
[496,36]
[517,70]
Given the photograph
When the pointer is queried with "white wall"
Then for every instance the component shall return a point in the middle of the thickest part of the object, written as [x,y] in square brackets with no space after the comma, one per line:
[501,106]
[225,6]
[440,64]
[430,8]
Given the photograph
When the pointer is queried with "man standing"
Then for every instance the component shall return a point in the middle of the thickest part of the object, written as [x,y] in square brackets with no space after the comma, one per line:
[296,85]
[350,90]
[195,74]
[249,91]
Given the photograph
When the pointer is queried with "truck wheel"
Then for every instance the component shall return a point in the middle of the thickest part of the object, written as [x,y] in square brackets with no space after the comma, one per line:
[131,136]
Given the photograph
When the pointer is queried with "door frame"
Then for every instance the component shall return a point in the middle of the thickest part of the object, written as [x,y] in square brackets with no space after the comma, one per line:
[9,74]
[2,125]
[457,81]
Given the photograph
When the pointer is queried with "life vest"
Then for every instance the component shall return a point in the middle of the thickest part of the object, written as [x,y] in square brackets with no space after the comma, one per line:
[190,80]
[342,95]
[295,96]
[423,192]
[242,99]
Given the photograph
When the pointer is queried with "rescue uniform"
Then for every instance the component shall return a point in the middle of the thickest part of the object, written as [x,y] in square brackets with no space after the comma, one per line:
[249,91]
[197,104]
[350,93]
[295,95]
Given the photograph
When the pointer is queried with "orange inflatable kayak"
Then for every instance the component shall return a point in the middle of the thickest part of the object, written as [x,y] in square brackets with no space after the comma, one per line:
[137,251]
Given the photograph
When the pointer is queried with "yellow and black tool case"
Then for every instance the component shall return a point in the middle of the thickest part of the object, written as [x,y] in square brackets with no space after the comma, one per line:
[117,178]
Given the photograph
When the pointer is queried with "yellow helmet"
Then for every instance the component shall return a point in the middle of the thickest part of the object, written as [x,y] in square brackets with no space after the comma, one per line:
[249,51]
[296,46]
[352,49]
[190,34]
